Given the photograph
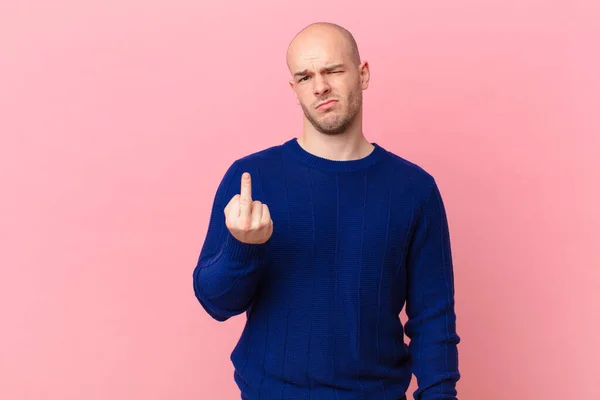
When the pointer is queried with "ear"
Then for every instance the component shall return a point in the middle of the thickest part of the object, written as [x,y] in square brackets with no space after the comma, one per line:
[292,86]
[365,74]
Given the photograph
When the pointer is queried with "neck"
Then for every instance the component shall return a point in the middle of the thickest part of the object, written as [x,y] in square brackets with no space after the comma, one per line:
[346,146]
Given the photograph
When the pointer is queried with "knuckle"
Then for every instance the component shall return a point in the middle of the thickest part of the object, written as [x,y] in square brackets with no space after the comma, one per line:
[244,224]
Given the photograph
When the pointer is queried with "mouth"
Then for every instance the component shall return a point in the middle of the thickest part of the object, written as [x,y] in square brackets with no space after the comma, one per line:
[326,103]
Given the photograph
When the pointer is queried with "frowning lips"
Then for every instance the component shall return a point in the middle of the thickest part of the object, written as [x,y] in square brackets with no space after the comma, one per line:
[325,102]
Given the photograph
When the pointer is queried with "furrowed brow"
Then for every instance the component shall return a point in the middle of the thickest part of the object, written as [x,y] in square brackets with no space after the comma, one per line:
[301,73]
[332,67]
[328,69]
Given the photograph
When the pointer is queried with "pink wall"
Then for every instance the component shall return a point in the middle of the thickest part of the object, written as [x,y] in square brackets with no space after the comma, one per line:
[118,120]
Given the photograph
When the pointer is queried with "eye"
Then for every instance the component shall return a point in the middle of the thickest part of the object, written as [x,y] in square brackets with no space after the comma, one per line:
[302,79]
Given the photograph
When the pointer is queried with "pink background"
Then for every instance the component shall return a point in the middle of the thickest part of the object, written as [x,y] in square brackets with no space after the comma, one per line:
[119,118]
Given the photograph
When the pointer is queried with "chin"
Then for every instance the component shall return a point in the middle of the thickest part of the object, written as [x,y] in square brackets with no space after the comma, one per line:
[334,129]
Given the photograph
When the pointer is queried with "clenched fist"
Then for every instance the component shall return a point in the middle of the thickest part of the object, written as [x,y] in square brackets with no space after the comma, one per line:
[248,221]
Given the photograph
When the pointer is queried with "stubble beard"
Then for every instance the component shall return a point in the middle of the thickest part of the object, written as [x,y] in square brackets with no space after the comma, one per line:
[335,124]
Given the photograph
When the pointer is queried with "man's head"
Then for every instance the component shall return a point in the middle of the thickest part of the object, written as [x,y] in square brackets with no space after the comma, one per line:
[324,62]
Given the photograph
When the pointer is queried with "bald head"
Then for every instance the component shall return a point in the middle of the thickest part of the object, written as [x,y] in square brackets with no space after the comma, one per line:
[322,34]
[328,77]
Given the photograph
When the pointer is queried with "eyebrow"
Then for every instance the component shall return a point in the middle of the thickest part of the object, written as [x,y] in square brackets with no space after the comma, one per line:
[328,69]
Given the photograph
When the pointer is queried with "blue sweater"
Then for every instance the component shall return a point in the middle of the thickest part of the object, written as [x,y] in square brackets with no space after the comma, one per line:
[353,243]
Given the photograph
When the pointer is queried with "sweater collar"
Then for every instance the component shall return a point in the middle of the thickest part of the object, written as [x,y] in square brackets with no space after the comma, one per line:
[293,147]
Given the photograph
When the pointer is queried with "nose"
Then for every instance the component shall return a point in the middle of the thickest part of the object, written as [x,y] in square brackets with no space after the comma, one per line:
[321,86]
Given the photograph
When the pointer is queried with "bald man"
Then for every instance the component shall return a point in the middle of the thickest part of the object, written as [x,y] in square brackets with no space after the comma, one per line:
[322,240]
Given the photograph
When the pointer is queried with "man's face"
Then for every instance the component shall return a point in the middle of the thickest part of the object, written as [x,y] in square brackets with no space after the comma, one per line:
[327,83]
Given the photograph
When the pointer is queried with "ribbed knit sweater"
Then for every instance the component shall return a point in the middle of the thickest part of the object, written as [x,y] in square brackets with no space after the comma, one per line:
[353,243]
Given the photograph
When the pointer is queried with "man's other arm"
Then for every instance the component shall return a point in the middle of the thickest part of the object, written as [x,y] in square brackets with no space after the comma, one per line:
[431,324]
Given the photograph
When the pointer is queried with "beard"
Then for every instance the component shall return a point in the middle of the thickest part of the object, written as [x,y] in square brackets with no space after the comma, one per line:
[333,123]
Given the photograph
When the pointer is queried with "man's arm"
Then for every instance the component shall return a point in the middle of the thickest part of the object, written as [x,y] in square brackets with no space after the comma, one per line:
[431,324]
[227,272]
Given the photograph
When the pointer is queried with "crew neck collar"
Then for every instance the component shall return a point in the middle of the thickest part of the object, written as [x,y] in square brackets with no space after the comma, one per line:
[293,147]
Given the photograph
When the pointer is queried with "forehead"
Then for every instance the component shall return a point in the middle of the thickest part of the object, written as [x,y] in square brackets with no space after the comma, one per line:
[317,51]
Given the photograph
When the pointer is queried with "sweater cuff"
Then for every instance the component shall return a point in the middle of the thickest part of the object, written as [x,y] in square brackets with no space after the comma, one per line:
[243,252]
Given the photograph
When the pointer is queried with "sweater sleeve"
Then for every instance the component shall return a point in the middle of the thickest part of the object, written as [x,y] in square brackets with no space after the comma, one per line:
[431,324]
[227,273]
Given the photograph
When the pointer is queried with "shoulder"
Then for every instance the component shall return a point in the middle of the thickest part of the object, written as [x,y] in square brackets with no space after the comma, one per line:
[256,163]
[260,157]
[416,181]
[410,171]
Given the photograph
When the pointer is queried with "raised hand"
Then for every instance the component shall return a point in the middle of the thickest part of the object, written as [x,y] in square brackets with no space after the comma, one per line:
[248,221]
